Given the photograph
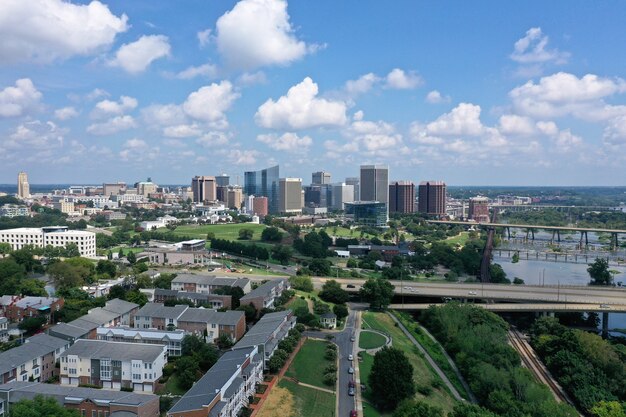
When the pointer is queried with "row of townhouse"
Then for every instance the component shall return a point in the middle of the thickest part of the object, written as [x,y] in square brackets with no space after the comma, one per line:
[172,339]
[200,321]
[265,295]
[113,365]
[207,284]
[17,308]
[160,295]
[34,360]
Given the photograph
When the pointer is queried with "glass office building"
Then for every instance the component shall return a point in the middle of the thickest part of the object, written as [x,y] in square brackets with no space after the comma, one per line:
[369,213]
[263,183]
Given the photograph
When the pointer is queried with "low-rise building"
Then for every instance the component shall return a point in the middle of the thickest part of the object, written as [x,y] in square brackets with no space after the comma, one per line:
[208,284]
[33,360]
[215,301]
[113,365]
[12,210]
[267,333]
[172,339]
[27,307]
[57,236]
[328,320]
[86,401]
[266,294]
[4,329]
[224,390]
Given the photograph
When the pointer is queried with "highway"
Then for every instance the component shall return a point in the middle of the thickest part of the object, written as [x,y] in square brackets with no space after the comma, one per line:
[524,307]
[527,226]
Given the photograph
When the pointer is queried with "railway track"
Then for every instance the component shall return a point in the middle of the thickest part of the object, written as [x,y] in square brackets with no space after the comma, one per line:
[531,362]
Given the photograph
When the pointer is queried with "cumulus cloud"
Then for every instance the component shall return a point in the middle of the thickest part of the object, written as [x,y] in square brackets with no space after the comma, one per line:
[111,126]
[532,49]
[65,113]
[258,33]
[209,103]
[462,120]
[512,124]
[107,108]
[204,37]
[163,115]
[205,70]
[16,100]
[250,78]
[301,109]
[288,142]
[243,157]
[135,57]
[213,138]
[363,84]
[401,80]
[47,30]
[615,131]
[182,131]
[35,135]
[435,97]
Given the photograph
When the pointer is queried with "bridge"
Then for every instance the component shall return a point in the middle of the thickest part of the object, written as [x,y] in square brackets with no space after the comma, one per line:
[525,307]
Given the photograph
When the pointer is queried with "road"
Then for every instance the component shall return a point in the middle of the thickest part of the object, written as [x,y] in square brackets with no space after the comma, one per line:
[346,403]
[525,307]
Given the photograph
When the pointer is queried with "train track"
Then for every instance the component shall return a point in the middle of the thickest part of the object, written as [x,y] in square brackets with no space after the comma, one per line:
[530,361]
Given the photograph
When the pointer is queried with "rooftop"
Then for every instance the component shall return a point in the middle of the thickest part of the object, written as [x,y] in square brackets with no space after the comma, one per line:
[161,311]
[264,289]
[121,351]
[32,348]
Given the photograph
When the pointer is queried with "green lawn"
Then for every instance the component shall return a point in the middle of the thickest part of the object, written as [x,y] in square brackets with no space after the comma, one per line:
[310,402]
[345,232]
[221,231]
[297,303]
[309,364]
[171,386]
[460,239]
[371,340]
[422,373]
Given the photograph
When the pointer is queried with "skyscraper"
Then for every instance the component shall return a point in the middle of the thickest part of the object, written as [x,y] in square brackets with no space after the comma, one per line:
[401,197]
[355,183]
[342,194]
[432,198]
[479,209]
[23,188]
[222,180]
[320,177]
[375,183]
[290,195]
[203,188]
[263,183]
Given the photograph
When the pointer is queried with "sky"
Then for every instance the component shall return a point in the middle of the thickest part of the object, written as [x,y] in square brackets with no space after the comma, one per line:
[472,93]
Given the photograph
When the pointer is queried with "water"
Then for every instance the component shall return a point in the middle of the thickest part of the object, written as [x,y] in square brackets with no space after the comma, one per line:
[555,273]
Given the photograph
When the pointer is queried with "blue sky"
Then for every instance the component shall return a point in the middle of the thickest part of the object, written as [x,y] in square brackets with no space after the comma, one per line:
[490,92]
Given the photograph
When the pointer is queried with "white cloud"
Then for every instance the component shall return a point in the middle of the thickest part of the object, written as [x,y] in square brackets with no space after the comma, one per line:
[435,97]
[563,94]
[205,70]
[204,37]
[106,108]
[462,120]
[400,80]
[35,135]
[211,139]
[512,124]
[245,157]
[362,85]
[46,30]
[301,109]
[257,33]
[615,131]
[135,57]
[96,93]
[532,49]
[163,115]
[114,125]
[182,131]
[135,143]
[566,140]
[288,142]
[209,103]
[16,100]
[65,113]
[250,78]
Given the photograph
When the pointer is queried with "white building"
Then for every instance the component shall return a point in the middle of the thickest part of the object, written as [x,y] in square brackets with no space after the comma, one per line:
[290,195]
[11,210]
[342,193]
[58,236]
[63,206]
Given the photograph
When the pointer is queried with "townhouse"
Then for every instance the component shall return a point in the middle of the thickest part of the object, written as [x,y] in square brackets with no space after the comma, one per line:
[33,360]
[266,294]
[21,308]
[216,301]
[113,365]
[207,284]
[172,339]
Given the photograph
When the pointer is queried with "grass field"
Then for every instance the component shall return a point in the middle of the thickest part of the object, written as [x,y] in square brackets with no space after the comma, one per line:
[296,303]
[365,368]
[310,402]
[221,231]
[371,340]
[422,373]
[345,232]
[171,386]
[309,364]
[460,239]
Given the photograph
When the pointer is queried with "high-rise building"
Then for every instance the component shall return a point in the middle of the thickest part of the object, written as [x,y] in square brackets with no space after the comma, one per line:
[234,198]
[248,203]
[320,177]
[23,188]
[259,206]
[263,183]
[375,184]
[401,197]
[145,188]
[222,180]
[355,183]
[221,193]
[342,194]
[479,209]
[318,195]
[204,189]
[432,198]
[369,213]
[290,195]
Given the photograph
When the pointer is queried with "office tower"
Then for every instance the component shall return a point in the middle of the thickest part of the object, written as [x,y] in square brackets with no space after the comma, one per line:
[248,203]
[368,213]
[23,188]
[479,209]
[263,183]
[401,197]
[222,180]
[318,195]
[234,198]
[320,177]
[145,188]
[342,193]
[432,198]
[109,189]
[221,194]
[290,195]
[259,206]
[355,183]
[203,188]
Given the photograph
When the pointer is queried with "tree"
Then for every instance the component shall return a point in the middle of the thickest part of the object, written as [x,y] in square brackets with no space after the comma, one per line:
[599,272]
[131,257]
[333,293]
[5,248]
[608,409]
[187,369]
[378,292]
[320,267]
[210,236]
[71,250]
[341,311]
[248,310]
[301,283]
[106,267]
[41,406]
[116,291]
[225,342]
[31,324]
[65,275]
[271,234]
[246,234]
[282,254]
[391,378]
[470,410]
[411,408]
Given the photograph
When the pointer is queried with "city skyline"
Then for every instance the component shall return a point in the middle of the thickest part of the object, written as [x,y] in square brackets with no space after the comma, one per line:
[480,94]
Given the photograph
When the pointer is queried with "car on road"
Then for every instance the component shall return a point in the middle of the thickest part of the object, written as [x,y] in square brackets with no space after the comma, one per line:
[353,413]
[350,357]
[350,370]
[473,293]
[350,286]
[408,288]
[351,392]
[605,306]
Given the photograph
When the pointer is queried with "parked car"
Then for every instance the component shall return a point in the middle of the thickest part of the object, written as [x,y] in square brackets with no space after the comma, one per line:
[350,286]
[352,338]
[473,293]
[350,357]
[353,413]
[350,370]
[351,392]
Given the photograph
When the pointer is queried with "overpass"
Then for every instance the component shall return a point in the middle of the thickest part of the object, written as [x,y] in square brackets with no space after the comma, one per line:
[525,307]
